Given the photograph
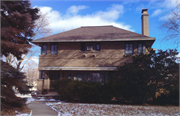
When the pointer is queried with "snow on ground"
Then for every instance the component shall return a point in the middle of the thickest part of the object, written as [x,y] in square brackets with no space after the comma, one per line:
[23,114]
[29,99]
[23,95]
[39,99]
[43,99]
[78,109]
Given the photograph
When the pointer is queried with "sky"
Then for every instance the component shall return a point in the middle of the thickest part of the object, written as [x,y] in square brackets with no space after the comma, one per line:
[65,15]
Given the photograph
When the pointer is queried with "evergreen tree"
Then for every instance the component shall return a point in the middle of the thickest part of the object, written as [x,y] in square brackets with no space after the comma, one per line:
[17,25]
[11,77]
[18,21]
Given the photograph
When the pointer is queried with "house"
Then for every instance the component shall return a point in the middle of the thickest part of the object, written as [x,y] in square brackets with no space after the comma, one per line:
[89,53]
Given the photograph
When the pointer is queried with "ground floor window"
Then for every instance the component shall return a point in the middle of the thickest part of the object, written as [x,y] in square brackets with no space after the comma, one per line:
[43,74]
[54,75]
[90,77]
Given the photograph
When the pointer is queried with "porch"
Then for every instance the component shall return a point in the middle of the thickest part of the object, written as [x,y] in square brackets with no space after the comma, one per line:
[47,77]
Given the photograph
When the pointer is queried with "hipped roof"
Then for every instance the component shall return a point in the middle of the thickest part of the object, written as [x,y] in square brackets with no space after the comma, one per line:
[94,34]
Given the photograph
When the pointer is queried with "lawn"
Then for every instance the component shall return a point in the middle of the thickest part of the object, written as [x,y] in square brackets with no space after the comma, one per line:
[80,109]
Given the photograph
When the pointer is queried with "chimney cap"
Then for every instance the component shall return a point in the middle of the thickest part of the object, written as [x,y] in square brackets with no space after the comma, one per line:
[144,10]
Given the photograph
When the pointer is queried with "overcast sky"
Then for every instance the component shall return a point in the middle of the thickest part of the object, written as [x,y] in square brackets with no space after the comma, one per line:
[67,15]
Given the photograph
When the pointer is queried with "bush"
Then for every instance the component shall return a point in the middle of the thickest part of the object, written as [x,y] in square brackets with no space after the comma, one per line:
[95,92]
[80,91]
[169,99]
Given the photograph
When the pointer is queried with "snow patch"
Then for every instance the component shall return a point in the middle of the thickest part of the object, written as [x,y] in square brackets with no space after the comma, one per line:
[69,109]
[23,114]
[29,100]
[23,95]
[43,99]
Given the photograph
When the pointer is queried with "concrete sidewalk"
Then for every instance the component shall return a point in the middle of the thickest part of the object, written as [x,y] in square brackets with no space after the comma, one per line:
[39,108]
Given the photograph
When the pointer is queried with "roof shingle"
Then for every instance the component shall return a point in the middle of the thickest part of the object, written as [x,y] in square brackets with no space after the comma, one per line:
[94,33]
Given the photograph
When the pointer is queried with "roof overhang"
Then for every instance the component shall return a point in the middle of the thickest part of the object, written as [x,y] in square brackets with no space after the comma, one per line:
[80,68]
[94,40]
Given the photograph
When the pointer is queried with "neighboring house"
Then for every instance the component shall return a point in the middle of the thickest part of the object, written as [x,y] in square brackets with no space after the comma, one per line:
[89,53]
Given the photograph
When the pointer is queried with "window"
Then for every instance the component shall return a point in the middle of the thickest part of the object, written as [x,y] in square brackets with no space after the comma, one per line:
[83,46]
[54,49]
[90,46]
[141,48]
[42,74]
[54,75]
[44,49]
[89,77]
[129,49]
[98,46]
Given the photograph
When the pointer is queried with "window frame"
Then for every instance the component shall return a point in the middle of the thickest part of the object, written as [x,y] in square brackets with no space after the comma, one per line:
[125,49]
[43,51]
[54,75]
[91,45]
[143,49]
[55,52]
[84,46]
[42,74]
[99,47]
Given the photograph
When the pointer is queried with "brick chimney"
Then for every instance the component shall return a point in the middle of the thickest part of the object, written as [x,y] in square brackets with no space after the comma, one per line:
[145,22]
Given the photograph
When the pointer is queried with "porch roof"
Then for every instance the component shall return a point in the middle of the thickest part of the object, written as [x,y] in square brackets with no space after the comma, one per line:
[80,68]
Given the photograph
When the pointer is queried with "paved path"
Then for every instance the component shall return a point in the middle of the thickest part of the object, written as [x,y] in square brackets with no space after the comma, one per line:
[39,108]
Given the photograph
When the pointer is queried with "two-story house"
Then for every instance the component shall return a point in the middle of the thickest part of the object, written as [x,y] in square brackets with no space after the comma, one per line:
[89,53]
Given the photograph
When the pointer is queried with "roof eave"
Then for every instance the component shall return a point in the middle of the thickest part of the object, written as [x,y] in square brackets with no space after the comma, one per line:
[95,40]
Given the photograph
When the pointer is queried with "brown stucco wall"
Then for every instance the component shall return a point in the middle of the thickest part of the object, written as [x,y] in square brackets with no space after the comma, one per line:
[70,55]
[40,85]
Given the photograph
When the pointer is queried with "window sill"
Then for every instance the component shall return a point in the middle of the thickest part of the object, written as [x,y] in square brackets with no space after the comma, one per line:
[129,55]
[47,55]
[92,51]
[42,54]
[53,55]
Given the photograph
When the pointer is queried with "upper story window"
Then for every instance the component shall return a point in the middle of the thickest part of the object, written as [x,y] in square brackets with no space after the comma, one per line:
[141,48]
[54,49]
[90,46]
[98,46]
[129,48]
[44,49]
